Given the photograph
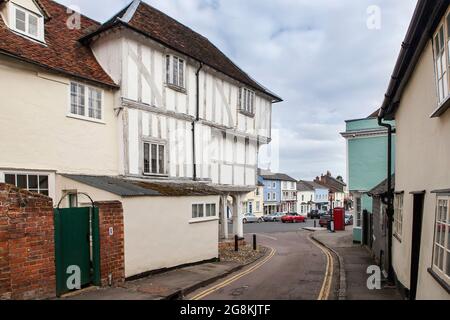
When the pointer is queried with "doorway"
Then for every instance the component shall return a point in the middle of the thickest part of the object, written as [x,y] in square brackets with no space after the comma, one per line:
[416,240]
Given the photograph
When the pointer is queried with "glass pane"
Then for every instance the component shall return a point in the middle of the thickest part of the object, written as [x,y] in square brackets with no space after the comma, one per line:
[33,182]
[194,211]
[10,179]
[20,20]
[44,192]
[200,211]
[213,210]
[33,25]
[167,69]
[436,255]
[175,71]
[441,259]
[181,80]
[22,181]
[43,182]
[161,159]
[447,268]
[441,38]
[154,158]
[436,43]
[146,158]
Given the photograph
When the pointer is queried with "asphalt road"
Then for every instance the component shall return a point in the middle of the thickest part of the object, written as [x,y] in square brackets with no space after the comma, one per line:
[295,272]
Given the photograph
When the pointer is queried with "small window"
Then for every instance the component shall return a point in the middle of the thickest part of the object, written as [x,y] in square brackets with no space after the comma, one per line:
[210,210]
[31,182]
[175,70]
[154,158]
[247,101]
[268,196]
[28,23]
[441,248]
[197,211]
[358,212]
[398,216]
[82,96]
[204,210]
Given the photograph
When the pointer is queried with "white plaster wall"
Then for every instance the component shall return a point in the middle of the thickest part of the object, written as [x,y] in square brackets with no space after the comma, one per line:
[36,133]
[422,163]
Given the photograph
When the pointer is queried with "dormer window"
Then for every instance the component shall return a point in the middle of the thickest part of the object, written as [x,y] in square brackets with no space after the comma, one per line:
[27,23]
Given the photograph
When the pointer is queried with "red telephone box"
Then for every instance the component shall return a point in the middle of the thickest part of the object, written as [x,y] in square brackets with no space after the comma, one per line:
[339,219]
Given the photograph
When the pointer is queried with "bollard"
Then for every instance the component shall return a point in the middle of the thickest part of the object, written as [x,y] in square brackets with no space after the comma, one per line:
[236,243]
[254,242]
[315,223]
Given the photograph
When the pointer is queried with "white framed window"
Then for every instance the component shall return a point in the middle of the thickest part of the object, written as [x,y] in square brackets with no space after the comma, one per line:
[38,183]
[203,210]
[441,247]
[268,196]
[175,71]
[258,206]
[441,60]
[358,212]
[274,196]
[86,102]
[398,216]
[247,101]
[274,185]
[155,158]
[27,22]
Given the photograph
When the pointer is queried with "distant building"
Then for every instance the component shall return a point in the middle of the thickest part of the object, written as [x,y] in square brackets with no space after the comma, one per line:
[366,167]
[254,201]
[337,189]
[280,192]
[311,196]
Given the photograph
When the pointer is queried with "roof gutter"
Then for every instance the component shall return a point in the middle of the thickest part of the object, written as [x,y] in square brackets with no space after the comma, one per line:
[416,39]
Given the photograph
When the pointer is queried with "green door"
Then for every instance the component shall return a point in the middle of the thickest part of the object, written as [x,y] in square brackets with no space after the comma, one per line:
[76,248]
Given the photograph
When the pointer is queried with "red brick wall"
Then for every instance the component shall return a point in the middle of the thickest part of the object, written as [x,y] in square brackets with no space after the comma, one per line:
[111,247]
[27,266]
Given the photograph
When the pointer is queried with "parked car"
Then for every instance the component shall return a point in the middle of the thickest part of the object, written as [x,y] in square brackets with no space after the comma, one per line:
[274,217]
[251,218]
[293,218]
[348,220]
[324,220]
[314,214]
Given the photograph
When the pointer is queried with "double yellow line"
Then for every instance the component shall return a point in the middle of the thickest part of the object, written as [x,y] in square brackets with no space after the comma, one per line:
[235,278]
[328,280]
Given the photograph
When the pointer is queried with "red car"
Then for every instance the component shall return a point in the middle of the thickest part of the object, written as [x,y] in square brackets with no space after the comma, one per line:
[293,218]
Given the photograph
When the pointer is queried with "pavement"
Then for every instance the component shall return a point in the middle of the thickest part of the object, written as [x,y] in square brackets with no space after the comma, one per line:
[354,260]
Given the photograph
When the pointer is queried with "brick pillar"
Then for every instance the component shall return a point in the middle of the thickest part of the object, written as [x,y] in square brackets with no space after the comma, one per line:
[112,256]
[27,256]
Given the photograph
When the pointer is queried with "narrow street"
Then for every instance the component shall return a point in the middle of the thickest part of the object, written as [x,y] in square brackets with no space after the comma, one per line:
[295,269]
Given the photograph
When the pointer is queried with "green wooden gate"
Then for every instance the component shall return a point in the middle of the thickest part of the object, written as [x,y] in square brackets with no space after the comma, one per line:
[77,248]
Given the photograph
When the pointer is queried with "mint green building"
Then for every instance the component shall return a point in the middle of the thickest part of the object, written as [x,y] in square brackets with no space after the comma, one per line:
[366,168]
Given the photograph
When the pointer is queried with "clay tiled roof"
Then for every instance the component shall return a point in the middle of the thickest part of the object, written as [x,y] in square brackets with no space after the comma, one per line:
[62,51]
[156,25]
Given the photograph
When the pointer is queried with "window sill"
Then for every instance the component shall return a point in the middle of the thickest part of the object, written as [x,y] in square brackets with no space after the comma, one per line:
[441,109]
[201,220]
[246,113]
[439,280]
[155,175]
[176,88]
[74,116]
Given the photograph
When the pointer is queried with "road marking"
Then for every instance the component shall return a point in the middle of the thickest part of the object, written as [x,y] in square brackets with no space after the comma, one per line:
[265,236]
[328,279]
[229,281]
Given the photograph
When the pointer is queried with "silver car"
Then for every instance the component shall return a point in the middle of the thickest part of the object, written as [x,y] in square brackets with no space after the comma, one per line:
[274,217]
[251,218]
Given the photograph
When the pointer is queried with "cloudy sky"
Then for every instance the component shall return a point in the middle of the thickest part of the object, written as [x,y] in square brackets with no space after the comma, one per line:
[320,56]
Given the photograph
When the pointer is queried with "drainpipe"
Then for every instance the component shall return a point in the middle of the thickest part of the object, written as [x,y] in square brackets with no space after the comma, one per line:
[390,194]
[197,118]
